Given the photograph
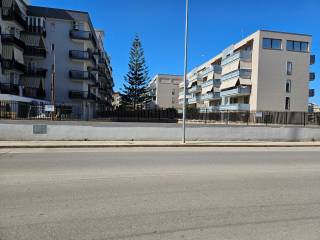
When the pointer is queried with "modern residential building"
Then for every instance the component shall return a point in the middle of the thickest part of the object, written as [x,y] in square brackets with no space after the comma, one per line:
[34,39]
[266,71]
[163,91]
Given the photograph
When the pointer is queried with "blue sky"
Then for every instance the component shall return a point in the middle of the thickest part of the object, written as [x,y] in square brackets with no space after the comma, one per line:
[214,25]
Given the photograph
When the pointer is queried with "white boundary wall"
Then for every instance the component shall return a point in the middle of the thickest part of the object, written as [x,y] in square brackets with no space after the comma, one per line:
[203,133]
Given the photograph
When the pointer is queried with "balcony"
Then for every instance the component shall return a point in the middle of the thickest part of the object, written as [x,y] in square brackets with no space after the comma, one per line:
[311,93]
[214,82]
[193,100]
[209,109]
[312,59]
[80,35]
[34,93]
[14,14]
[9,88]
[242,73]
[211,96]
[36,72]
[243,55]
[35,52]
[195,89]
[214,68]
[81,95]
[80,55]
[82,75]
[235,107]
[181,101]
[12,39]
[238,91]
[13,65]
[40,30]
[312,76]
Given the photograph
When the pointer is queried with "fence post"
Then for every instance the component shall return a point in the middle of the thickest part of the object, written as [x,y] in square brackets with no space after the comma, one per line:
[205,116]
[304,119]
[286,118]
[248,116]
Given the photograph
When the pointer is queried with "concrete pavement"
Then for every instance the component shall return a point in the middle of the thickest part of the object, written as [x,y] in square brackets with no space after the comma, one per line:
[140,194]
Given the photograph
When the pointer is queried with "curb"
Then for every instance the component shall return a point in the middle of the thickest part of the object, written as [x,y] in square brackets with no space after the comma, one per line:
[159,146]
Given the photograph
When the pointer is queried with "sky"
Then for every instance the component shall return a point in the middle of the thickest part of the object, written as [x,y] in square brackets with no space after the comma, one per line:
[213,26]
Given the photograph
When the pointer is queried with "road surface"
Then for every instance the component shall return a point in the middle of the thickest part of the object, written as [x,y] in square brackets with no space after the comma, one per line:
[149,194]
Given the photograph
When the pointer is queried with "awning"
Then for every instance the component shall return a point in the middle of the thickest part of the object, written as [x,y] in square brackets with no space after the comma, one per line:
[233,83]
[206,89]
[190,84]
[7,52]
[245,65]
[229,83]
[233,66]
[18,55]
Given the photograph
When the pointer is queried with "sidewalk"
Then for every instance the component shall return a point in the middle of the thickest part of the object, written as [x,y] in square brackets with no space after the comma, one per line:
[114,144]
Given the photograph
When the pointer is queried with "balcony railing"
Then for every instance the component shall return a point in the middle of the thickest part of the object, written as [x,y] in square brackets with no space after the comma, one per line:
[14,14]
[193,100]
[242,55]
[312,76]
[13,65]
[35,52]
[235,107]
[9,88]
[195,88]
[214,82]
[312,59]
[37,30]
[81,95]
[311,92]
[214,68]
[82,75]
[241,90]
[12,39]
[81,55]
[210,96]
[34,93]
[243,73]
[36,72]
[80,35]
[209,109]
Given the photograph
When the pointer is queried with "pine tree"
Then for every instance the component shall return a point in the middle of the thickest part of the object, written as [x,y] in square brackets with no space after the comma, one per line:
[136,80]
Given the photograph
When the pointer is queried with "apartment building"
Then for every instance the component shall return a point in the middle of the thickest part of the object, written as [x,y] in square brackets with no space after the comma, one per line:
[266,71]
[163,91]
[34,39]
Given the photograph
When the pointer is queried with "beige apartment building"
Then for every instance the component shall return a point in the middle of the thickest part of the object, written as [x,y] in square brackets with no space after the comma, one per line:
[163,91]
[266,71]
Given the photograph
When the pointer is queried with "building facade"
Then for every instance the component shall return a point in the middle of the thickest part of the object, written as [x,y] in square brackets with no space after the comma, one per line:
[163,91]
[267,71]
[34,39]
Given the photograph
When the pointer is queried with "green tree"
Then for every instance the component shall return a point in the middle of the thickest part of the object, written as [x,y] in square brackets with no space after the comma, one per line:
[134,92]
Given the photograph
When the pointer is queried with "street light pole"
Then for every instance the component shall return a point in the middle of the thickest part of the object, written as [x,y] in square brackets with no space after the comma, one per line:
[185,72]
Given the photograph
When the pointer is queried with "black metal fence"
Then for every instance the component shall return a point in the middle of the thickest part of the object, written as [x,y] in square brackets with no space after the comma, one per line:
[82,112]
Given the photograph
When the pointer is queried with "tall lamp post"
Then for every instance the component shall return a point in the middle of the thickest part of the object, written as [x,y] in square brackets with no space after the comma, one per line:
[185,72]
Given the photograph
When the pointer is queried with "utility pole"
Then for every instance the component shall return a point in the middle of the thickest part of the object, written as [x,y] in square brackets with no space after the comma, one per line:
[53,80]
[185,72]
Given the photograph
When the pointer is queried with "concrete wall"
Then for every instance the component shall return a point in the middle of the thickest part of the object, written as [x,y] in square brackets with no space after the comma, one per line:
[152,132]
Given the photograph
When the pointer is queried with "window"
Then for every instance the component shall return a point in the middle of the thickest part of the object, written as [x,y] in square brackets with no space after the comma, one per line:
[173,92]
[289,68]
[297,46]
[288,86]
[287,106]
[270,43]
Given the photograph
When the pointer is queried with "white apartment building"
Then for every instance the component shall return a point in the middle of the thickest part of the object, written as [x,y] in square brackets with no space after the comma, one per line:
[266,71]
[163,91]
[31,37]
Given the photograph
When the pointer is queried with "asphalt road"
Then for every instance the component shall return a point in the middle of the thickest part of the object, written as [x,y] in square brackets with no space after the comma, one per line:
[149,194]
